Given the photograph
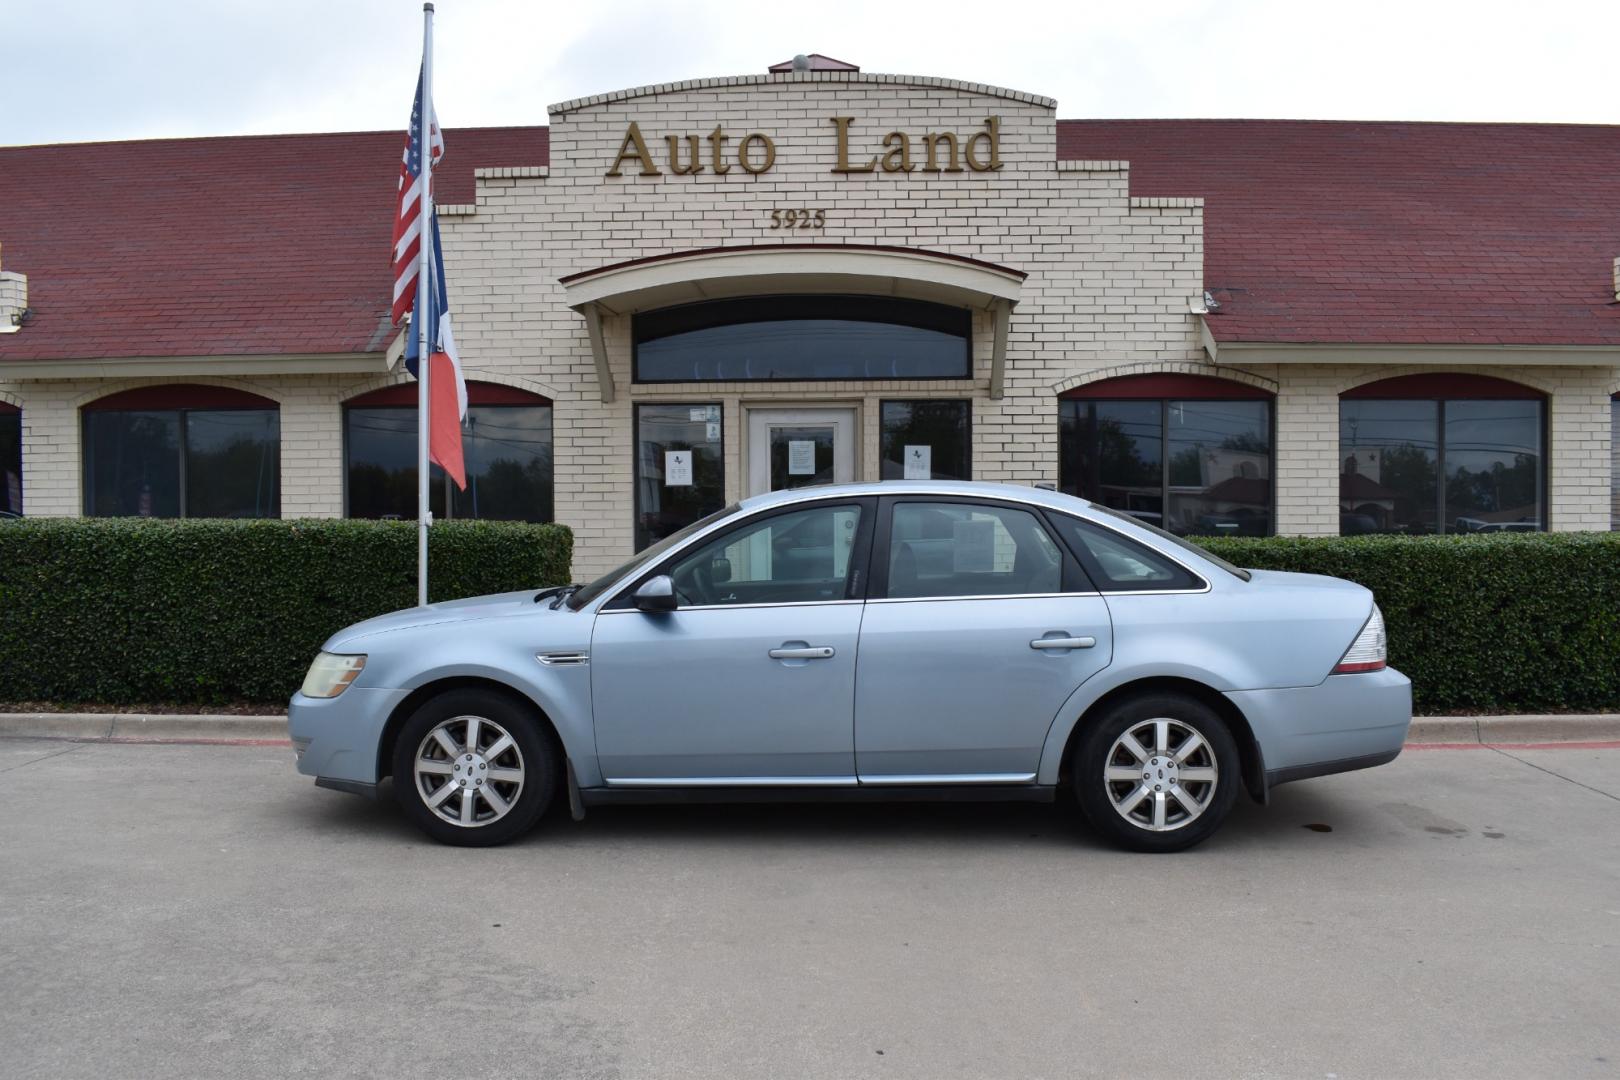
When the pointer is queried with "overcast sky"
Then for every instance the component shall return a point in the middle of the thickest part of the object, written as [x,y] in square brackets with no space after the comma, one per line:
[96,69]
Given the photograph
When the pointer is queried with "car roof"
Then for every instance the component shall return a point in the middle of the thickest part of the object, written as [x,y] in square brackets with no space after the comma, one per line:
[1011,492]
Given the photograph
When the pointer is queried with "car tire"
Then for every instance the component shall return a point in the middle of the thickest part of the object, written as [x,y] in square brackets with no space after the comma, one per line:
[475,795]
[1171,795]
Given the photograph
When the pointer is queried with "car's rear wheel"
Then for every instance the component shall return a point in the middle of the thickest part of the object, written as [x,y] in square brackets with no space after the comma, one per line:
[474,768]
[1158,772]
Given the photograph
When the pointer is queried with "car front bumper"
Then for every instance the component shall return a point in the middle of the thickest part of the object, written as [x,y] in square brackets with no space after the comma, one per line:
[1345,722]
[336,739]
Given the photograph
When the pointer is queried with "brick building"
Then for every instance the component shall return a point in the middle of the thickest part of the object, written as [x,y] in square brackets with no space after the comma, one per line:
[676,296]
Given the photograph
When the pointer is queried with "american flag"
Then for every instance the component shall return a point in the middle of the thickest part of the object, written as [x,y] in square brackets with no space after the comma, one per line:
[408,214]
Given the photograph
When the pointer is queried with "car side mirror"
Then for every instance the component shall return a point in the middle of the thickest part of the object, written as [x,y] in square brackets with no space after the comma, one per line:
[655,594]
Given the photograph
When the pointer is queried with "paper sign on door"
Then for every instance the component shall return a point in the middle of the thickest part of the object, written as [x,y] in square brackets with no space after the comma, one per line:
[801,457]
[677,468]
[919,463]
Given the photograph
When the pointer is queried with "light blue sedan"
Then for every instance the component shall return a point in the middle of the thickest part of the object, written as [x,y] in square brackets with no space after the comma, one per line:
[867,641]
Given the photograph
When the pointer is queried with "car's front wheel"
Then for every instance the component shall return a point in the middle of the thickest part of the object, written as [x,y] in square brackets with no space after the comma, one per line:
[474,768]
[1157,772]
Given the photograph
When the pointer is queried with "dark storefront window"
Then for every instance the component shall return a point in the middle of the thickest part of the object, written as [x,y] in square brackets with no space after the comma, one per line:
[1470,461]
[680,471]
[927,440]
[176,451]
[1198,466]
[506,445]
[10,460]
[506,449]
[803,337]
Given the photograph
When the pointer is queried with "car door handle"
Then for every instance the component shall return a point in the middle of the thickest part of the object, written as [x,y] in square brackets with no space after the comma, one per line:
[807,652]
[1063,643]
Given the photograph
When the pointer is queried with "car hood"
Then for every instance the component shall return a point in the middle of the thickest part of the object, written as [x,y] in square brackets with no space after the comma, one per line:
[472,609]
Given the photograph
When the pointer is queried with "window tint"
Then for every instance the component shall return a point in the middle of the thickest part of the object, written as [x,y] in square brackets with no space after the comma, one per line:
[957,549]
[1119,564]
[10,461]
[182,463]
[232,463]
[802,337]
[679,472]
[791,558]
[1195,468]
[1443,466]
[927,440]
[506,449]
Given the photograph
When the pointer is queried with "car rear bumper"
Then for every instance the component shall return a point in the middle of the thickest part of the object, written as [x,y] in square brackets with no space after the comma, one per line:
[1346,722]
[336,739]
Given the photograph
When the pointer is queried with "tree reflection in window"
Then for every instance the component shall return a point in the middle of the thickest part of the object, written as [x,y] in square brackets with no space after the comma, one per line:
[1216,479]
[507,450]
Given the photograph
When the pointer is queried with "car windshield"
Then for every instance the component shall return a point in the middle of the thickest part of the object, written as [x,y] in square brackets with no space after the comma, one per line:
[645,555]
[1235,571]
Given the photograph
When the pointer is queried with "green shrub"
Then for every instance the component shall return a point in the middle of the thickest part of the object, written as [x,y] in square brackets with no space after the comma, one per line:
[1497,622]
[197,612]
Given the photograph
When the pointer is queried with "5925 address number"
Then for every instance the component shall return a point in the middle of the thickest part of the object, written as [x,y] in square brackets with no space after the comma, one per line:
[799,219]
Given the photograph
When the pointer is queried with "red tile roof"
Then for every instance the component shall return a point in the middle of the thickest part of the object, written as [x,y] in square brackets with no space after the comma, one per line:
[1318,231]
[1314,232]
[219,247]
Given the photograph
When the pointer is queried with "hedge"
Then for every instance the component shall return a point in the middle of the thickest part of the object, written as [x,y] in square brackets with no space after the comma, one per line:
[1500,622]
[129,611]
[208,612]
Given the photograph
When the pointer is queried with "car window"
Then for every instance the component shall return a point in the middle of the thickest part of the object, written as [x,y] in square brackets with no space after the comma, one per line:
[1170,537]
[961,549]
[1120,564]
[643,557]
[792,558]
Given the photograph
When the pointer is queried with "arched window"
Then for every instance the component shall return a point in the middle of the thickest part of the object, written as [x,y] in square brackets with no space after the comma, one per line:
[506,443]
[10,460]
[1189,453]
[804,338]
[180,450]
[1442,453]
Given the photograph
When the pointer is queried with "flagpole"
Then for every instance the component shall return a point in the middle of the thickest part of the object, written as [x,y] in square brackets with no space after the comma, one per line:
[422,316]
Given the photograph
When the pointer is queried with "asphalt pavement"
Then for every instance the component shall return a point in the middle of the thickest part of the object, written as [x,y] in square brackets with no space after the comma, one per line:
[203,911]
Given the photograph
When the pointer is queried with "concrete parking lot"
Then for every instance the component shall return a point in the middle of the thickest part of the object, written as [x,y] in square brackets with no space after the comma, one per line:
[203,911]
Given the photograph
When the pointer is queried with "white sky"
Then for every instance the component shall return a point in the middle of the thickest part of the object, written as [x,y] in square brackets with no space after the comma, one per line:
[95,69]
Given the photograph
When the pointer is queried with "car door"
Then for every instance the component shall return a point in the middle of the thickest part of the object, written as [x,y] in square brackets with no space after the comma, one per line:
[978,627]
[751,679]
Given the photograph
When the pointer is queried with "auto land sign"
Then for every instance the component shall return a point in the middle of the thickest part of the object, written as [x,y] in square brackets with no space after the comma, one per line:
[897,152]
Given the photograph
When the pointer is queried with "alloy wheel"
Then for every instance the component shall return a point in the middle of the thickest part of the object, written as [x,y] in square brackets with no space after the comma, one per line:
[469,771]
[1161,774]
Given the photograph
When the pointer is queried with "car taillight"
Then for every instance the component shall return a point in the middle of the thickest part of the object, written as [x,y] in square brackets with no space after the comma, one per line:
[1369,651]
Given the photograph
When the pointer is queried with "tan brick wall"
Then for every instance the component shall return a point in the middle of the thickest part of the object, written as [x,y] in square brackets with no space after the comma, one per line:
[1110,281]
[1614,456]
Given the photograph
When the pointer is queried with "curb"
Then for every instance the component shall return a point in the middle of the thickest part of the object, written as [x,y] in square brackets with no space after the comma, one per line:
[114,727]
[1517,729]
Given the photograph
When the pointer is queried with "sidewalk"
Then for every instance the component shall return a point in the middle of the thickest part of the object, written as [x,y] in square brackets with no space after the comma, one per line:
[137,727]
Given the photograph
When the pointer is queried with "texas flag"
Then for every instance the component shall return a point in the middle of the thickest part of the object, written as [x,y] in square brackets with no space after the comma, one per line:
[447,390]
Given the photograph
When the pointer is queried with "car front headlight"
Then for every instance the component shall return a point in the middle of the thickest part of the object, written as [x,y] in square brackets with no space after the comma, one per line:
[331,674]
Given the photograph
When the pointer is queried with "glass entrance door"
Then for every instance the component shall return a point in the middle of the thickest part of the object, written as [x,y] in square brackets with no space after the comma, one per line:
[792,448]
